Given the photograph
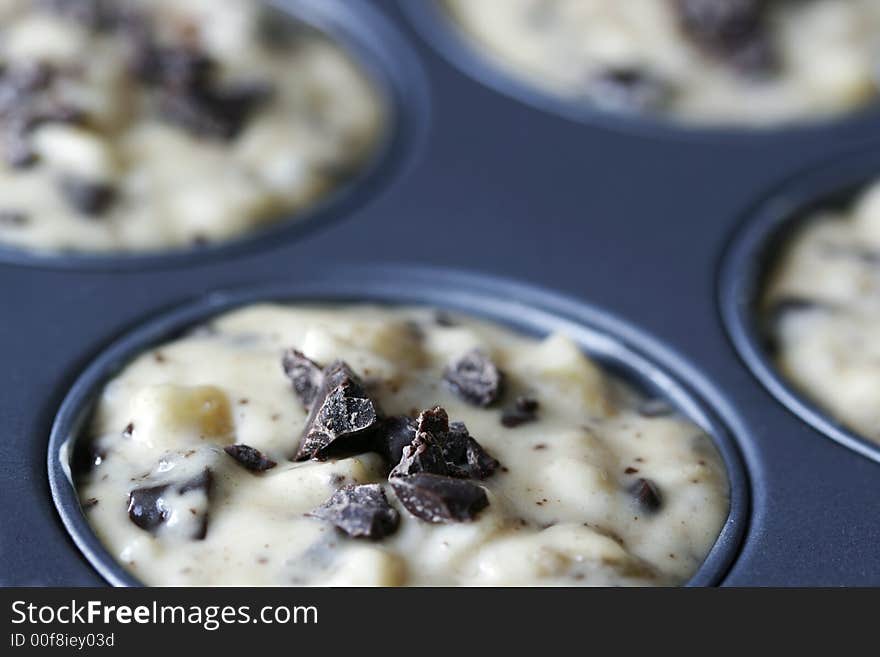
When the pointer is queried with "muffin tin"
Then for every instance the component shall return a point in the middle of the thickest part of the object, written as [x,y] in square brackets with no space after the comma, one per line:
[620,234]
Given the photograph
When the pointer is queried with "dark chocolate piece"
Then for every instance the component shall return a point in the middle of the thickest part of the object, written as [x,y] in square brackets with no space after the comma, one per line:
[475,378]
[250,458]
[628,90]
[436,498]
[147,510]
[396,433]
[305,374]
[343,417]
[465,457]
[735,30]
[647,495]
[523,410]
[425,453]
[360,511]
[87,197]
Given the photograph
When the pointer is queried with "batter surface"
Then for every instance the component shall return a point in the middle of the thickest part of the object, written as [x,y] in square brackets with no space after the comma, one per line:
[822,311]
[362,445]
[755,62]
[141,125]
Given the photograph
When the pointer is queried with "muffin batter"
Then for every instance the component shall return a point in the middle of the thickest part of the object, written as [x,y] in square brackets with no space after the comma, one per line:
[139,125]
[363,445]
[755,62]
[822,310]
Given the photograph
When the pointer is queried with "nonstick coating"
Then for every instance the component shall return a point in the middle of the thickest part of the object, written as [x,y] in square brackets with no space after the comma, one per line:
[633,223]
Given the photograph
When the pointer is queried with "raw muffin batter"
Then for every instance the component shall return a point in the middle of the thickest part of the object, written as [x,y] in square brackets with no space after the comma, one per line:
[325,446]
[757,62]
[138,125]
[822,310]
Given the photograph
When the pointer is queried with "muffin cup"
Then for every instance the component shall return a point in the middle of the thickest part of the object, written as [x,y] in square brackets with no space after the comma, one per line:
[750,259]
[393,68]
[438,28]
[618,347]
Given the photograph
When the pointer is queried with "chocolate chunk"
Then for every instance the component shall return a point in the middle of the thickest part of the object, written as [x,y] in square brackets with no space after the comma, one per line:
[436,498]
[465,457]
[178,69]
[396,433]
[735,30]
[424,453]
[647,495]
[628,90]
[147,508]
[250,458]
[343,417]
[188,94]
[305,374]
[12,218]
[655,408]
[86,197]
[524,409]
[475,378]
[219,114]
[360,511]
[434,421]
[86,457]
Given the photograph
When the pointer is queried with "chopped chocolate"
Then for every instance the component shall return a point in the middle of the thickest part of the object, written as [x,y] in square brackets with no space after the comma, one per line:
[87,197]
[524,410]
[147,508]
[188,93]
[12,218]
[735,30]
[250,458]
[655,408]
[647,495]
[465,457]
[178,69]
[360,511]
[628,90]
[86,457]
[218,114]
[343,417]
[25,104]
[436,498]
[396,433]
[437,446]
[434,421]
[305,374]
[475,378]
[423,454]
